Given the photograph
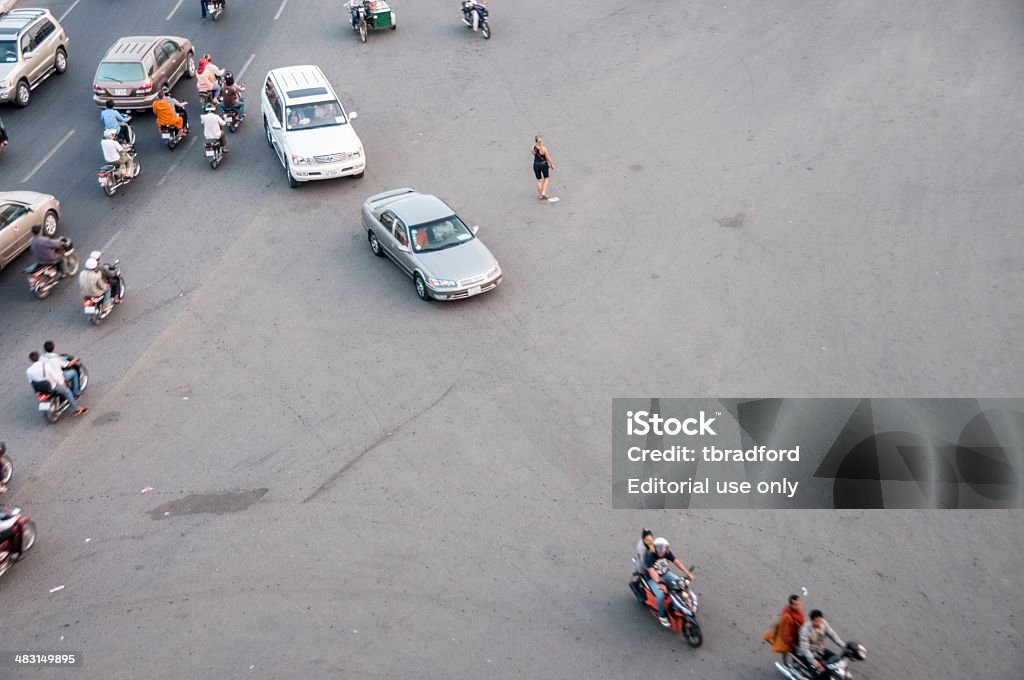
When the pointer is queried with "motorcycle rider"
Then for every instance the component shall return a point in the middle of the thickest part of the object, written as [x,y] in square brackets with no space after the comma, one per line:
[812,647]
[213,127]
[166,115]
[48,251]
[3,134]
[222,3]
[116,153]
[469,10]
[231,96]
[208,77]
[353,6]
[67,367]
[658,574]
[92,282]
[46,378]
[113,119]
[643,547]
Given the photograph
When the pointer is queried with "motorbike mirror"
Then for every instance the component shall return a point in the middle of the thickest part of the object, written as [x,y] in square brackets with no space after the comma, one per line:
[117,262]
[352,115]
[476,228]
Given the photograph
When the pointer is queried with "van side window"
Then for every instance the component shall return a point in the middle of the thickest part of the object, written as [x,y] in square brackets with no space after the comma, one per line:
[44,31]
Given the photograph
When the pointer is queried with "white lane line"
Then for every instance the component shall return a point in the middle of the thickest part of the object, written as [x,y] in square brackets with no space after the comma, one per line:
[111,240]
[181,157]
[241,71]
[49,155]
[174,10]
[280,9]
[68,11]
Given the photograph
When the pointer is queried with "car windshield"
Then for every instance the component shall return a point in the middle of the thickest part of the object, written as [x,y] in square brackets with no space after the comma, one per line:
[120,71]
[8,52]
[439,234]
[315,115]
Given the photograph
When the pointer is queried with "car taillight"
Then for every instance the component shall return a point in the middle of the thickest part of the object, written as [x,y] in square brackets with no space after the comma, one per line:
[96,88]
[145,89]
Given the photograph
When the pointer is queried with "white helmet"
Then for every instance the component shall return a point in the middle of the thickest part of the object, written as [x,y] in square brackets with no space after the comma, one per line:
[661,544]
[110,133]
[91,263]
[95,255]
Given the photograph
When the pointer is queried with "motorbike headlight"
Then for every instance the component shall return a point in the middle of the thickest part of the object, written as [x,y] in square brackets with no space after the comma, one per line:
[441,283]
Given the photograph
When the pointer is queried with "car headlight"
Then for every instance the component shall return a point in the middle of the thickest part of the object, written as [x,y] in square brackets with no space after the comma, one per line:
[441,283]
[4,84]
[493,271]
[302,160]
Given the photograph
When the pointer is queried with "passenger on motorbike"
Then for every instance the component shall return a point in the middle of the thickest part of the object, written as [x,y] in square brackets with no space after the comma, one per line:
[213,127]
[231,96]
[113,119]
[67,367]
[116,153]
[166,115]
[644,547]
[48,251]
[812,648]
[659,576]
[179,106]
[92,282]
[207,77]
[354,5]
[45,378]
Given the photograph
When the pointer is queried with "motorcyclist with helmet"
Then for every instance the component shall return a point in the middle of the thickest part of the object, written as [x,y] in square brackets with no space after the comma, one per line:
[100,279]
[659,577]
[213,127]
[812,648]
[116,153]
[231,96]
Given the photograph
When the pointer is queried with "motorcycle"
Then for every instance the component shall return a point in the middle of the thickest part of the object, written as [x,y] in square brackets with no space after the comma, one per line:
[836,665]
[474,15]
[112,177]
[6,466]
[51,404]
[12,518]
[681,606]
[215,8]
[371,16]
[126,133]
[44,277]
[94,307]
[231,113]
[214,152]
[171,135]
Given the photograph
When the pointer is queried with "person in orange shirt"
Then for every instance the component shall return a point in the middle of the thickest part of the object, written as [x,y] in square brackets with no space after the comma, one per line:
[166,115]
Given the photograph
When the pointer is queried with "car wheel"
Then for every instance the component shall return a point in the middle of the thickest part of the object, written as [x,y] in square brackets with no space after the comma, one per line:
[270,136]
[421,287]
[190,65]
[375,245]
[60,62]
[50,223]
[22,94]
[292,182]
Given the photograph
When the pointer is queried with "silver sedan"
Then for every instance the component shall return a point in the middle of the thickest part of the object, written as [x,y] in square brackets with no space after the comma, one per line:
[431,244]
[19,212]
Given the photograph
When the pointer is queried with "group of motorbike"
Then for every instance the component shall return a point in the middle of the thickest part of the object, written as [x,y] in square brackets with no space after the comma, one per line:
[681,606]
[44,277]
[17,530]
[370,15]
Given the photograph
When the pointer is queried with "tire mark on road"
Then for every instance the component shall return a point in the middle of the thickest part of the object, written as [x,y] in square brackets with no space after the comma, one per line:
[380,440]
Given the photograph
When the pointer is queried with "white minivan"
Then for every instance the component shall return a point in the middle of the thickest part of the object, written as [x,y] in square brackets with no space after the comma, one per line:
[308,128]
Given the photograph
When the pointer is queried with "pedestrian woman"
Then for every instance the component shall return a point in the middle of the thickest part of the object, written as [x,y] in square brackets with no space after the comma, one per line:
[541,164]
[785,634]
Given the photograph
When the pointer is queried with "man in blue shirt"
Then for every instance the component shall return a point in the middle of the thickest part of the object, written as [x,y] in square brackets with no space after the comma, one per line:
[114,120]
[658,562]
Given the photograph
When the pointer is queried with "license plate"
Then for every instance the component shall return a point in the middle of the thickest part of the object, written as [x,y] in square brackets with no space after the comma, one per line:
[166,135]
[101,180]
[89,310]
[120,92]
[475,290]
[332,173]
[209,152]
[44,406]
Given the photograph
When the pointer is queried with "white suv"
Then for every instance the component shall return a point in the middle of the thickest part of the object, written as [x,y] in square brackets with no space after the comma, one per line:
[308,128]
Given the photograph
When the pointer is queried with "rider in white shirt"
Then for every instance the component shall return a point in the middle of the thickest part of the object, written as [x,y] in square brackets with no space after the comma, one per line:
[213,127]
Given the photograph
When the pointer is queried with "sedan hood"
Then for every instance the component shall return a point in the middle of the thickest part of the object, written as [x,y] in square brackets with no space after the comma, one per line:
[459,262]
[322,141]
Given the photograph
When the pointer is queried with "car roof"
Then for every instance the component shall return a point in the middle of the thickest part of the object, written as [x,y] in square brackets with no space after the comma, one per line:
[133,48]
[16,20]
[420,208]
[301,84]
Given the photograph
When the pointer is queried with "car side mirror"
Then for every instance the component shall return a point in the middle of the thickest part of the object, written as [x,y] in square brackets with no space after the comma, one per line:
[403,248]
[352,115]
[476,228]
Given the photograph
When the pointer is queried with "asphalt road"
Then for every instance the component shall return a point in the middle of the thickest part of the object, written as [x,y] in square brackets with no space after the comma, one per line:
[757,199]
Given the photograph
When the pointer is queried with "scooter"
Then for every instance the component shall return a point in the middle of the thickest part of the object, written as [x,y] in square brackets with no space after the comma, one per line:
[51,404]
[681,606]
[214,152]
[836,667]
[474,15]
[112,177]
[215,8]
[11,518]
[44,277]
[94,307]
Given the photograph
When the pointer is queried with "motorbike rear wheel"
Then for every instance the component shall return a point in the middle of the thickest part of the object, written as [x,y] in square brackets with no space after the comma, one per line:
[110,187]
[53,413]
[362,30]
[41,289]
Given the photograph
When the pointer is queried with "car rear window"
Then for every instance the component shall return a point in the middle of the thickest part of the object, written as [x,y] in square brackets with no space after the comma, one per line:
[8,52]
[120,71]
